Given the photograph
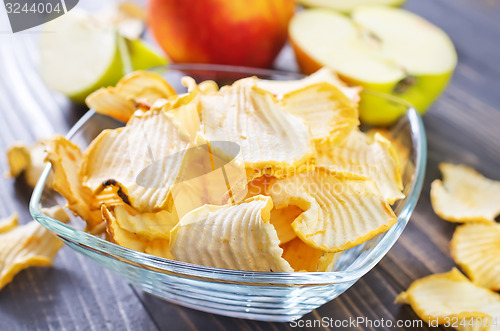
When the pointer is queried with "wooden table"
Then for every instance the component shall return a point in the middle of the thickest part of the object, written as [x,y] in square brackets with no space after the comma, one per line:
[77,294]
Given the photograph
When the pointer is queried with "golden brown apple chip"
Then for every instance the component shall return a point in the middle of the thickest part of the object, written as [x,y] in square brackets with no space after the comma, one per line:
[329,114]
[66,159]
[26,246]
[231,237]
[452,297]
[465,195]
[30,161]
[8,223]
[139,89]
[272,141]
[323,75]
[143,158]
[303,257]
[340,210]
[370,157]
[475,247]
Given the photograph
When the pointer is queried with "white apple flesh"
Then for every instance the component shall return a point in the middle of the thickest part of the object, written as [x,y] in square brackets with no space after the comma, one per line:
[347,6]
[384,49]
[79,53]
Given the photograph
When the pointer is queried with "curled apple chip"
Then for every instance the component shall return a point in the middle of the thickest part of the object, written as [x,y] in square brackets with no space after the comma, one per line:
[303,257]
[475,247]
[208,86]
[452,295]
[147,225]
[139,89]
[281,219]
[8,223]
[109,196]
[323,75]
[328,113]
[370,157]
[142,158]
[26,246]
[18,158]
[401,150]
[258,186]
[28,160]
[341,210]
[120,236]
[147,233]
[251,118]
[465,195]
[232,237]
[210,173]
[66,159]
[159,247]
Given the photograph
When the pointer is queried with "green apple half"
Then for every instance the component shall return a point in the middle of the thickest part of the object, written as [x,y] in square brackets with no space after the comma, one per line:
[347,6]
[384,49]
[80,53]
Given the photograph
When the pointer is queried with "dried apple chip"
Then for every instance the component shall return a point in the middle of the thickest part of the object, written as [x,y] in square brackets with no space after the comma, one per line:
[120,236]
[465,195]
[147,233]
[28,160]
[282,219]
[372,158]
[8,223]
[323,75]
[258,186]
[328,113]
[209,174]
[18,158]
[475,247]
[251,117]
[400,149]
[143,158]
[109,196]
[159,247]
[146,225]
[26,246]
[303,257]
[66,159]
[136,88]
[208,86]
[340,210]
[232,237]
[451,295]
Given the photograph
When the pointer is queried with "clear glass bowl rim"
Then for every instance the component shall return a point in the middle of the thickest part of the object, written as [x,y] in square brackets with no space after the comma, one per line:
[198,272]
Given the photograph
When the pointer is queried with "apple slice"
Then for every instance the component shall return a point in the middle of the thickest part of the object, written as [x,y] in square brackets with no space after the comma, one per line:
[348,6]
[78,54]
[81,53]
[384,49]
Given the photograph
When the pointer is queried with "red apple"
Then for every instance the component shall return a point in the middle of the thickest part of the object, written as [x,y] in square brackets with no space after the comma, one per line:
[236,32]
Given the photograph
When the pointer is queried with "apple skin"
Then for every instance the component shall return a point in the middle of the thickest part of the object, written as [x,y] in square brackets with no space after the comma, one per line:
[420,95]
[142,56]
[235,32]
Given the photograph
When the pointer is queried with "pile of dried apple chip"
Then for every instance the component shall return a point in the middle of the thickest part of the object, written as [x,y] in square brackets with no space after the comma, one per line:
[259,175]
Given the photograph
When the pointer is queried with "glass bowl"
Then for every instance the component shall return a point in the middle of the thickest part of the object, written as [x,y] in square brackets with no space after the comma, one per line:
[267,296]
